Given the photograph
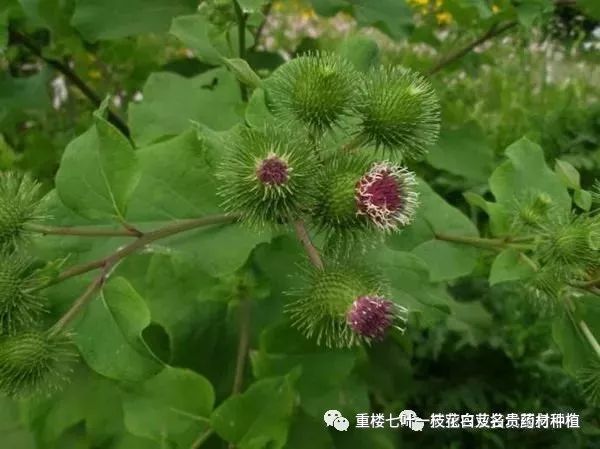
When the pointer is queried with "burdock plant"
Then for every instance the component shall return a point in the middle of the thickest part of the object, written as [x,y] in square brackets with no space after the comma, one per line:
[317,91]
[399,112]
[344,305]
[34,362]
[19,206]
[20,302]
[268,176]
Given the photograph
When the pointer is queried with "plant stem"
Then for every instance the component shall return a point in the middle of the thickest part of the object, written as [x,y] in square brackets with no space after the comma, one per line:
[202,439]
[261,27]
[242,349]
[81,231]
[590,337]
[84,88]
[89,294]
[241,22]
[243,345]
[106,263]
[482,242]
[167,231]
[311,251]
[494,31]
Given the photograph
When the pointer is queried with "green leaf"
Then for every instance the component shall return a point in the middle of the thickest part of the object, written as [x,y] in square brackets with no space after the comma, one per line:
[468,12]
[524,172]
[393,17]
[22,96]
[171,102]
[101,412]
[361,51]
[174,405]
[568,174]
[509,266]
[324,382]
[409,281]
[307,432]
[445,260]
[14,434]
[193,310]
[242,71]
[583,199]
[531,11]
[178,182]
[464,152]
[197,32]
[260,417]
[575,332]
[328,8]
[114,19]
[257,112]
[250,6]
[591,7]
[98,172]
[109,334]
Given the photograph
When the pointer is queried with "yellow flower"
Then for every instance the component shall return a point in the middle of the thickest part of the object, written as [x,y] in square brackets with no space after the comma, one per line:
[495,9]
[443,18]
[95,74]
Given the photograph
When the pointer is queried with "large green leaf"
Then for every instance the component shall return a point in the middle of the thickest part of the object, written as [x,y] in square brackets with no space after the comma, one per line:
[324,382]
[178,182]
[464,152]
[193,310]
[445,260]
[259,417]
[13,433]
[50,417]
[22,96]
[575,330]
[393,17]
[171,102]
[525,172]
[113,19]
[509,265]
[109,336]
[198,33]
[98,172]
[172,406]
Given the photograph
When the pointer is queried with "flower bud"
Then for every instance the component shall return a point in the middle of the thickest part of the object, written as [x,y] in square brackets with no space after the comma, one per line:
[317,90]
[532,212]
[19,205]
[399,112]
[20,305]
[569,243]
[268,176]
[341,306]
[33,362]
[358,199]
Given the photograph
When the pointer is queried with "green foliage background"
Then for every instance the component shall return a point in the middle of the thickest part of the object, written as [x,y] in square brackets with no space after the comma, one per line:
[158,345]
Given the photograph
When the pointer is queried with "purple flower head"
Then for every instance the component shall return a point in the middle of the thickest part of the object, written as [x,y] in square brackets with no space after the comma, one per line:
[272,171]
[371,316]
[385,194]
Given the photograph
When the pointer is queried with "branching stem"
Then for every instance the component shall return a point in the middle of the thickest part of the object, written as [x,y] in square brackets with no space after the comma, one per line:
[71,75]
[494,31]
[106,263]
[484,242]
[241,17]
[311,251]
[81,231]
